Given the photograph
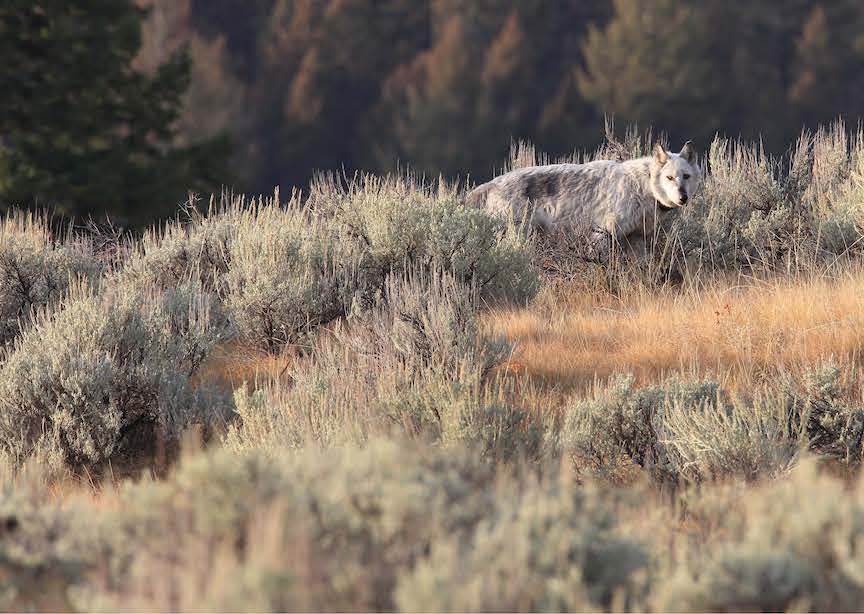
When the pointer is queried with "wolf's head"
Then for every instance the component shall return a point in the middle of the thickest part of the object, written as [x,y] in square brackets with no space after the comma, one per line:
[675,178]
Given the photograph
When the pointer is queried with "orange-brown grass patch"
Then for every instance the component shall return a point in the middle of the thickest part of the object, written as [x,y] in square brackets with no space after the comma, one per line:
[230,365]
[743,332]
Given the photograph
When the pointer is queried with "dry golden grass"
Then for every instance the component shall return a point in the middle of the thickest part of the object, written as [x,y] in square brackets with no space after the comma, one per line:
[232,364]
[742,332]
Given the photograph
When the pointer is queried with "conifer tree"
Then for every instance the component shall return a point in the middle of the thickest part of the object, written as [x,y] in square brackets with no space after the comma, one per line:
[80,129]
[651,65]
[829,63]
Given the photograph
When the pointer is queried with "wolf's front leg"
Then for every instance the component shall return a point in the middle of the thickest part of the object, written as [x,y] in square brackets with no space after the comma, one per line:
[601,243]
[636,248]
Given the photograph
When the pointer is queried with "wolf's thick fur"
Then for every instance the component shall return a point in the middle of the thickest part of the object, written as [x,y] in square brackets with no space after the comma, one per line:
[621,199]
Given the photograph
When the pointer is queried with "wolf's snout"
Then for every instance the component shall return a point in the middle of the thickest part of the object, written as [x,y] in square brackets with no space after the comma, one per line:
[683,198]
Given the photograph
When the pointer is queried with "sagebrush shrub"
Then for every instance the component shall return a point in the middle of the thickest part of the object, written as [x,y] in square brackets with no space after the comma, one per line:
[311,531]
[821,405]
[834,190]
[552,549]
[288,274]
[793,545]
[416,365]
[277,270]
[677,430]
[102,364]
[45,548]
[283,269]
[715,441]
[36,268]
[619,424]
[415,527]
[740,216]
[403,225]
[761,212]
[190,249]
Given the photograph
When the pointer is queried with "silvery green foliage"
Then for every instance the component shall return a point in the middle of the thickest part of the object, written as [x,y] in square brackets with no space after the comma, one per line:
[36,269]
[288,274]
[693,431]
[427,321]
[412,527]
[619,424]
[840,227]
[196,248]
[677,430]
[793,545]
[105,362]
[759,210]
[284,269]
[836,192]
[724,438]
[403,225]
[349,521]
[278,272]
[821,403]
[44,547]
[416,365]
[740,215]
[555,548]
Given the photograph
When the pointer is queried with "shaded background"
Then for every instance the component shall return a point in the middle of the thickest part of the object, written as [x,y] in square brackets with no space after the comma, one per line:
[121,107]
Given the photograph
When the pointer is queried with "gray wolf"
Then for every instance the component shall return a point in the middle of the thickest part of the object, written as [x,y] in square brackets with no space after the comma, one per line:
[607,197]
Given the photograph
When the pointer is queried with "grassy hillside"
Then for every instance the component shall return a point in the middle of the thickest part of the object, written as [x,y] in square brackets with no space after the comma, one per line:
[369,397]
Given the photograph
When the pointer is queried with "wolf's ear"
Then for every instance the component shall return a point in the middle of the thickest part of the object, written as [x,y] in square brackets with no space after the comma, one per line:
[660,155]
[688,152]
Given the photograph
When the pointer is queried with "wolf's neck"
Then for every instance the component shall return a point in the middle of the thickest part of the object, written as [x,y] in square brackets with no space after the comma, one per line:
[642,168]
[640,165]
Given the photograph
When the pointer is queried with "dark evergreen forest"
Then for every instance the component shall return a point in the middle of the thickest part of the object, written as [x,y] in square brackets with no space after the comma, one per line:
[113,106]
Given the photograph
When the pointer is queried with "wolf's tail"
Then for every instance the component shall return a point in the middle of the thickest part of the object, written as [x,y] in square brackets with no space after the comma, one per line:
[476,198]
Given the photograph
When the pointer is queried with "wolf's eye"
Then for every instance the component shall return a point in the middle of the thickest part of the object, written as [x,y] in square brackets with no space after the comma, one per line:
[686,176]
[670,177]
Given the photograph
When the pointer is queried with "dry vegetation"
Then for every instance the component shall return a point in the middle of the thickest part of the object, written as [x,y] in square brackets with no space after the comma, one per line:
[743,331]
[385,400]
